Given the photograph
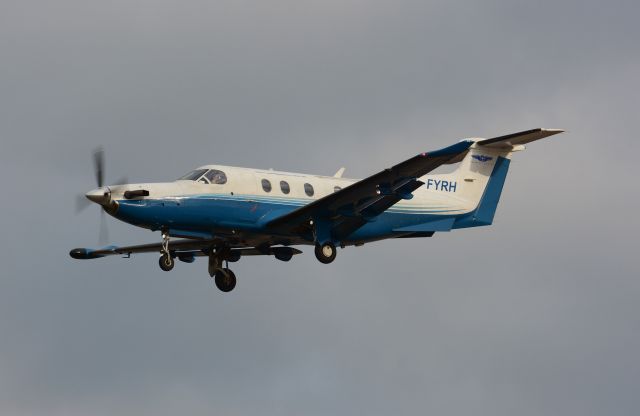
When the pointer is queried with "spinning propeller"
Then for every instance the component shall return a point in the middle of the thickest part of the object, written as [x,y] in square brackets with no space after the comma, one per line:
[101,195]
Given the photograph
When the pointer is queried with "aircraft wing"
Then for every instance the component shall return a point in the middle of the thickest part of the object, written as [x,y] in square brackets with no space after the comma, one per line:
[180,248]
[351,207]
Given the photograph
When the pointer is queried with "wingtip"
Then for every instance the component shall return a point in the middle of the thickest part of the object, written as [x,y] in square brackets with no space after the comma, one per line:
[553,131]
[83,254]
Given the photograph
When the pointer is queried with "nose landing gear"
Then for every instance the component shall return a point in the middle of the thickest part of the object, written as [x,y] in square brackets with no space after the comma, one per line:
[166,261]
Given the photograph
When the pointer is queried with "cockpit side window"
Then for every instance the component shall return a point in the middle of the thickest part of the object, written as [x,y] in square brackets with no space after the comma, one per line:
[193,175]
[216,177]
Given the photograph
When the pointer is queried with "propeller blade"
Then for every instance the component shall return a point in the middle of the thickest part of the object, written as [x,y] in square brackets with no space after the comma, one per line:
[81,203]
[98,165]
[103,236]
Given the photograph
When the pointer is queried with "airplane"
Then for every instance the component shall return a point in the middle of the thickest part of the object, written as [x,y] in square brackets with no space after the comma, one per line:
[226,213]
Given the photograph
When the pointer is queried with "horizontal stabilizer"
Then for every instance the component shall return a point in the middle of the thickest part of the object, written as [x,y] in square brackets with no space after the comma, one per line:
[520,138]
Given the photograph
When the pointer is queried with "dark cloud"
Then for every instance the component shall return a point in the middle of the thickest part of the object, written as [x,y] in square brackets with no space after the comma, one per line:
[535,315]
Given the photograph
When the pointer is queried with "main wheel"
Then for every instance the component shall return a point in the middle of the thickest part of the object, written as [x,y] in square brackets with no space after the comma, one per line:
[225,280]
[326,253]
[166,262]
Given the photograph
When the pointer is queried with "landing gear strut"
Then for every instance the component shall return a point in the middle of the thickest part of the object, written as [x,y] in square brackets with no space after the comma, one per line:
[166,261]
[326,253]
[224,278]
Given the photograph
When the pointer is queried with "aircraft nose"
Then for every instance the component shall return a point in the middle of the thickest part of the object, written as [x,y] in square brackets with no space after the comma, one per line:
[99,196]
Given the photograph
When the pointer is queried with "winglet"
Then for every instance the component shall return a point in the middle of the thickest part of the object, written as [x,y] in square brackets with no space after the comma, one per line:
[339,173]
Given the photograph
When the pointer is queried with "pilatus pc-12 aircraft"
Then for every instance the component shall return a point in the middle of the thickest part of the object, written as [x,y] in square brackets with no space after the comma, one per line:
[226,213]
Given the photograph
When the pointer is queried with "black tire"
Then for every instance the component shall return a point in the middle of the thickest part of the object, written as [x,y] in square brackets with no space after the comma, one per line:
[166,262]
[326,253]
[225,280]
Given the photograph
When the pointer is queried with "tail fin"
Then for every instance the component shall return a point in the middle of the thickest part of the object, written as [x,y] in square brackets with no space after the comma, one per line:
[483,171]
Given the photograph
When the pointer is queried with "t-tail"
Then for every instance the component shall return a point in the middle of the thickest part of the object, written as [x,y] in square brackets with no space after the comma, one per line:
[482,173]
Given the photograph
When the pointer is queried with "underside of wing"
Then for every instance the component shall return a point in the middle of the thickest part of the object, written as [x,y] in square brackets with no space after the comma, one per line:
[183,249]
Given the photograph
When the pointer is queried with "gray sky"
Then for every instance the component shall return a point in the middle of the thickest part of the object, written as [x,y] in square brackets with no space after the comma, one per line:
[535,315]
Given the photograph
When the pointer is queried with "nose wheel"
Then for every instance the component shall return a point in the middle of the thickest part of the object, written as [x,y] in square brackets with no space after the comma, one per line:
[166,262]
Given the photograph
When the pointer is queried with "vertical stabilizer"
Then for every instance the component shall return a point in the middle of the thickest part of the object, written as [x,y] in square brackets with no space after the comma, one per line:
[480,178]
[483,171]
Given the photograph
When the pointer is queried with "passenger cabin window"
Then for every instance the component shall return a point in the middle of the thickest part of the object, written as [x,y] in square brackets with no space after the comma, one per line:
[336,188]
[308,189]
[284,187]
[266,185]
[216,177]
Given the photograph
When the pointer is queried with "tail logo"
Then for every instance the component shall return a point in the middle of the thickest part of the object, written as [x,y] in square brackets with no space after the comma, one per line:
[482,158]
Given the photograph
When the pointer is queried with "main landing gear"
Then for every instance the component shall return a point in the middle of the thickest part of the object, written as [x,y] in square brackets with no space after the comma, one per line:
[326,253]
[223,277]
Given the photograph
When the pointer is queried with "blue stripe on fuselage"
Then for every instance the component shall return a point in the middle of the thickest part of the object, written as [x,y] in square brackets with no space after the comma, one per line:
[209,213]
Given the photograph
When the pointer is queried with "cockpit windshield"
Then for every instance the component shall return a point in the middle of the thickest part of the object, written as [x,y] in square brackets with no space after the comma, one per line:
[193,175]
[208,176]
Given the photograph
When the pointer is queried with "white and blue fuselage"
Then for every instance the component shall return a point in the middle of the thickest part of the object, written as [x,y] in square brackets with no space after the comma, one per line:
[226,213]
[249,198]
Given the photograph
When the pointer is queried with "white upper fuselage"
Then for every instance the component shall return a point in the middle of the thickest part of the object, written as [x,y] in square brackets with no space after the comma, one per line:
[241,182]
